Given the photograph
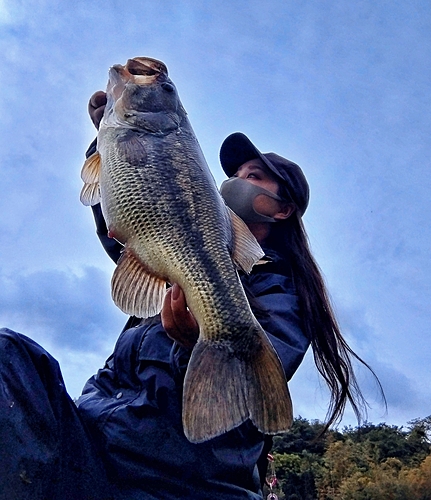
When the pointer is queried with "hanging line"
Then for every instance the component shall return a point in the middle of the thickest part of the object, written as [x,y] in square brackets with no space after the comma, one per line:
[271,478]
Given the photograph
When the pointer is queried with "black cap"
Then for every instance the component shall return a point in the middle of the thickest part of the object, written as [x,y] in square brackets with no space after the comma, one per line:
[238,149]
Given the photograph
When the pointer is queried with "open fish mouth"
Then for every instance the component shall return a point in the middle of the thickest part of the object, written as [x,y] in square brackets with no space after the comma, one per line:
[139,70]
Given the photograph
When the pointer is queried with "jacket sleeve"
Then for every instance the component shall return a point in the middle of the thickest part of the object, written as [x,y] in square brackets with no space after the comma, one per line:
[275,304]
[112,247]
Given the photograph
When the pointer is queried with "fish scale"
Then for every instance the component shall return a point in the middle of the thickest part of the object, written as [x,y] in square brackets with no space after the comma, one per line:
[161,202]
[151,227]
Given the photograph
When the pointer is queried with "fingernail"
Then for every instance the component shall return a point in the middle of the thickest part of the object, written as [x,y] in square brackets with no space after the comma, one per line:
[175,291]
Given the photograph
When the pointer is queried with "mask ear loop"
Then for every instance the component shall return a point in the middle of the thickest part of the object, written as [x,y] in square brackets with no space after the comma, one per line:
[274,196]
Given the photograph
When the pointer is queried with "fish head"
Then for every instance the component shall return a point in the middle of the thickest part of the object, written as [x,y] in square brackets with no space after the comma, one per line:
[139,88]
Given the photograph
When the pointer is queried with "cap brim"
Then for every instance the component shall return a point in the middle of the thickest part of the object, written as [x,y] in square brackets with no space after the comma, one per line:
[236,150]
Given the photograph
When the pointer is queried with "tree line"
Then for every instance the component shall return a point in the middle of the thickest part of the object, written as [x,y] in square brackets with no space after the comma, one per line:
[370,462]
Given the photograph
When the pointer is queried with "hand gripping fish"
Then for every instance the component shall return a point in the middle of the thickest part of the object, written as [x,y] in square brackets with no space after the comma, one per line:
[161,202]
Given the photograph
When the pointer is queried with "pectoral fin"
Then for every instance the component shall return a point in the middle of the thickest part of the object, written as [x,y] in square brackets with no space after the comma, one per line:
[246,250]
[90,173]
[135,290]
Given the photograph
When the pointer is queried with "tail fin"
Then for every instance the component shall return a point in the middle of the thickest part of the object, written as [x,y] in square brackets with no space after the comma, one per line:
[222,389]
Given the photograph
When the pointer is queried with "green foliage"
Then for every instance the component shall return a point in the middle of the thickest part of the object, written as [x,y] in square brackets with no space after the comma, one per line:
[372,462]
[303,436]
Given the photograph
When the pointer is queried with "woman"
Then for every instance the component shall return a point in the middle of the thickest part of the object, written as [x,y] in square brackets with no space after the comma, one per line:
[288,238]
[288,296]
[133,405]
[125,440]
[286,242]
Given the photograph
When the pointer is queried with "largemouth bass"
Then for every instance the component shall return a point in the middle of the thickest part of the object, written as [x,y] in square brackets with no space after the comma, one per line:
[161,202]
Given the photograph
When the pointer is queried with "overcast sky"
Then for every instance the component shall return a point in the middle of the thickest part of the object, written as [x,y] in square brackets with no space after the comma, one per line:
[340,87]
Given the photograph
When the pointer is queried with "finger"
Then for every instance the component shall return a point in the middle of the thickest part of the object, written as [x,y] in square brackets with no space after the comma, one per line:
[183,318]
[177,320]
[166,314]
[96,107]
[97,99]
[96,116]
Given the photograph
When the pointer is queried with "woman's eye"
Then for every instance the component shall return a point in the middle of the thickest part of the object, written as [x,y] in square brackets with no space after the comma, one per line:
[252,176]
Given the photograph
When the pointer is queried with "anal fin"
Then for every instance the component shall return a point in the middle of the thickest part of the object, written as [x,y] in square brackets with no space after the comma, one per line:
[135,290]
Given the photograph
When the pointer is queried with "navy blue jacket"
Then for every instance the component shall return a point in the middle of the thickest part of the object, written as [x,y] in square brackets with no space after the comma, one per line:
[133,405]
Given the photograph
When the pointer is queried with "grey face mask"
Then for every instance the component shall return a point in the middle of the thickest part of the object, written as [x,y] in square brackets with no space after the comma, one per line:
[239,196]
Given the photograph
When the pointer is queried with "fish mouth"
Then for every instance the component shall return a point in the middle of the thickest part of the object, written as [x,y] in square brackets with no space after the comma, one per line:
[139,71]
[146,67]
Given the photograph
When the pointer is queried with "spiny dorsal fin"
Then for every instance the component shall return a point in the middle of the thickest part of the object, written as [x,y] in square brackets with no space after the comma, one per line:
[246,250]
[90,173]
[135,290]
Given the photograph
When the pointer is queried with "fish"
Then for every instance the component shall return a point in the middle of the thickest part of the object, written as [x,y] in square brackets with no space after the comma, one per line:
[160,200]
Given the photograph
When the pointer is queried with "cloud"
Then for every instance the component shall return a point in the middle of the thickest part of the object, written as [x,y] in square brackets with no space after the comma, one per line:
[400,391]
[341,89]
[70,311]
[405,397]
[400,382]
[10,12]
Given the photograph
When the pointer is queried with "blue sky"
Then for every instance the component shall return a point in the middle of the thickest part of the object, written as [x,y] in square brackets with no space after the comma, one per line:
[340,87]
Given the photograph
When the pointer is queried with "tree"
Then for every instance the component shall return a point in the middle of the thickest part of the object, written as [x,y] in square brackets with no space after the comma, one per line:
[342,459]
[419,439]
[419,480]
[371,462]
[384,441]
[296,475]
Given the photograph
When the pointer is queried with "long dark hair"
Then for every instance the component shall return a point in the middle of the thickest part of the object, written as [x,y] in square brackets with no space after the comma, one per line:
[332,354]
